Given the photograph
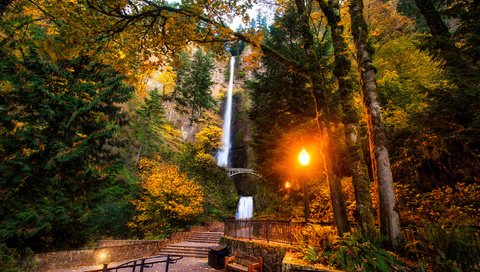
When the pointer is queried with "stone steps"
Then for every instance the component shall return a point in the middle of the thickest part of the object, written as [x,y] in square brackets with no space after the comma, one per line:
[200,252]
[205,237]
[197,245]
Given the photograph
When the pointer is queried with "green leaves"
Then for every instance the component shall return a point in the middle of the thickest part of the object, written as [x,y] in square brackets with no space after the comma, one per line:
[192,94]
[60,118]
[354,253]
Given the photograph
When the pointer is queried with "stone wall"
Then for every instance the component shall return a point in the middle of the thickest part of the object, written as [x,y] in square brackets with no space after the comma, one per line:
[272,253]
[86,257]
[63,259]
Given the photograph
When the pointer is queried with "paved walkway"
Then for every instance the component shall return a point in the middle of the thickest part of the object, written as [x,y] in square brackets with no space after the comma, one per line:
[186,264]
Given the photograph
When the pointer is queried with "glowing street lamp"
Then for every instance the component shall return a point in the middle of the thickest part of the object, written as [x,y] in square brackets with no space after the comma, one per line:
[304,159]
[102,258]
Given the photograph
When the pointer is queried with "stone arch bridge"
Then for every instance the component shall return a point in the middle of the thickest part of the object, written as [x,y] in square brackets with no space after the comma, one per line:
[239,171]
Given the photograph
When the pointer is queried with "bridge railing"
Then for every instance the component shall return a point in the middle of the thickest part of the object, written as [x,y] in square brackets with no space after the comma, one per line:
[288,231]
[269,230]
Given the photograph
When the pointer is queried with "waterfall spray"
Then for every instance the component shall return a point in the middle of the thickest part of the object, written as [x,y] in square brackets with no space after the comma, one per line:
[224,152]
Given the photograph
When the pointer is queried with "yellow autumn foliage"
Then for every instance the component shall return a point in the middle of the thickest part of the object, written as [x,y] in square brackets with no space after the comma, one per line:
[167,78]
[169,199]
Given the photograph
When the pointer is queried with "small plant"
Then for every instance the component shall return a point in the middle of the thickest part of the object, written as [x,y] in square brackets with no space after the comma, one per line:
[355,253]
[13,260]
[448,248]
[313,239]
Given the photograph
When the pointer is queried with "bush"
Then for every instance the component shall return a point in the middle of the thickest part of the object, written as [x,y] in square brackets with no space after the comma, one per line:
[355,253]
[445,204]
[12,260]
[170,200]
[219,191]
[313,239]
[448,248]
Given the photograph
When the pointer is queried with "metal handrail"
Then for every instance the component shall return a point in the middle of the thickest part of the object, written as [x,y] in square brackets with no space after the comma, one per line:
[141,263]
[269,230]
[284,231]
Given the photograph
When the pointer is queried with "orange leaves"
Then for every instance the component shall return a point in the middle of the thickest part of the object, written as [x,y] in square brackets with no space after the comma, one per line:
[252,60]
[445,204]
[384,21]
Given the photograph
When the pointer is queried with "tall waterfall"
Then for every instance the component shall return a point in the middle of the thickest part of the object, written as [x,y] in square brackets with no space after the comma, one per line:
[245,204]
[223,154]
[245,208]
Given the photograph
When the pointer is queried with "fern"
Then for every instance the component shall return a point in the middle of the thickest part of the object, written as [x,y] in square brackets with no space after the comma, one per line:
[354,253]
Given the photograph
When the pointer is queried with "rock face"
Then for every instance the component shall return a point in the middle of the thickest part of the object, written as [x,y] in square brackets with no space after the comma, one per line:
[272,253]
[240,153]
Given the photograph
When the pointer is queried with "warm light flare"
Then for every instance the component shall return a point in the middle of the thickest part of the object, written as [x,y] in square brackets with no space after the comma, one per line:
[101,257]
[287,185]
[304,157]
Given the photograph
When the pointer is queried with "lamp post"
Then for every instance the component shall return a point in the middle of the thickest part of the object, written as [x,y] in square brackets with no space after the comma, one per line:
[304,159]
[102,258]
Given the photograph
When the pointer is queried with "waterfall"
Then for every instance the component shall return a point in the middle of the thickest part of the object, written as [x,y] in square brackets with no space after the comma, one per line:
[245,208]
[223,154]
[245,204]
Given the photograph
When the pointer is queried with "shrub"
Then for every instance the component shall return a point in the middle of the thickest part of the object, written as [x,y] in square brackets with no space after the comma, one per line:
[448,248]
[313,239]
[13,260]
[445,204]
[355,253]
[170,199]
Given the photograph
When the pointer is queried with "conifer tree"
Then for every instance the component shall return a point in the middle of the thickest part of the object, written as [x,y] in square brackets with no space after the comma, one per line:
[58,120]
[192,92]
[148,125]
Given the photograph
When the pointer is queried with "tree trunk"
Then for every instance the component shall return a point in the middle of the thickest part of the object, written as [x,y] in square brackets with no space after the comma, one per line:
[360,179]
[388,214]
[458,66]
[336,192]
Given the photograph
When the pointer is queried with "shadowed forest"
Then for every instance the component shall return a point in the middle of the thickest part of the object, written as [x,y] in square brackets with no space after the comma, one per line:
[111,118]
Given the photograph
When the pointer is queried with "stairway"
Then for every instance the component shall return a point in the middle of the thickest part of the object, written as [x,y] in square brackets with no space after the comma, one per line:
[197,245]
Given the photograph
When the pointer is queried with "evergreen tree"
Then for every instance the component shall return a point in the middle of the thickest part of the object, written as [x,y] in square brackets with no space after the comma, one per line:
[149,125]
[58,121]
[441,141]
[192,92]
[280,101]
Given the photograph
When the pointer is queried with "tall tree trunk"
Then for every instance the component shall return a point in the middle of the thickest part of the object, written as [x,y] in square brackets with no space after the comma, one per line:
[389,218]
[360,179]
[458,66]
[329,154]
